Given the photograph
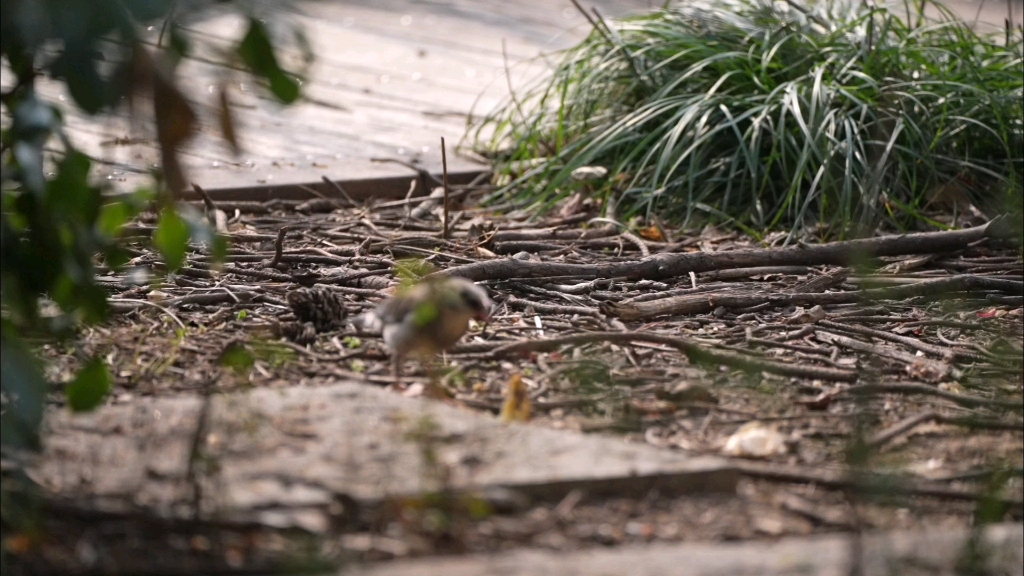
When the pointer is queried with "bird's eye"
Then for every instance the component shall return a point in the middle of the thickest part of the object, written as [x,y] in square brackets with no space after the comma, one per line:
[472,300]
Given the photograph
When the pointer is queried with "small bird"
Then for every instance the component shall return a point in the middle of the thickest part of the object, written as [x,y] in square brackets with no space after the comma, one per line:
[428,317]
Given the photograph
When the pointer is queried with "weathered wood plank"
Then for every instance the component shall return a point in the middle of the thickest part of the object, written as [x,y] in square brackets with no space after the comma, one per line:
[282,457]
[933,553]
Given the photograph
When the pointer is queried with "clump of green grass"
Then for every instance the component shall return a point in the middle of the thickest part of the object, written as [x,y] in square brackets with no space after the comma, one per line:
[770,114]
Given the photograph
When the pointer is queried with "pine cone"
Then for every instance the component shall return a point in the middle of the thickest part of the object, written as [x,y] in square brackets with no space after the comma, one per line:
[322,306]
[299,332]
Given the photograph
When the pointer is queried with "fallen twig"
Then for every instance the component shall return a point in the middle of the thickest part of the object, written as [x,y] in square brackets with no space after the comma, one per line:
[444,181]
[693,351]
[278,247]
[118,304]
[341,191]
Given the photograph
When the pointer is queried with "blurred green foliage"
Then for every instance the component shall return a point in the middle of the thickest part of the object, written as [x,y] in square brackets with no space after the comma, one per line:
[57,224]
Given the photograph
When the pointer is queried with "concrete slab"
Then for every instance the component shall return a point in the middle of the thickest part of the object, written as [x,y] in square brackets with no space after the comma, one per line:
[882,554]
[289,457]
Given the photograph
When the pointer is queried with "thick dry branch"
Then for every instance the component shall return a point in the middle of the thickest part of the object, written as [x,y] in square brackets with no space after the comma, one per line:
[908,424]
[928,368]
[913,388]
[660,266]
[694,352]
[901,427]
[705,302]
[841,479]
[553,233]
[943,352]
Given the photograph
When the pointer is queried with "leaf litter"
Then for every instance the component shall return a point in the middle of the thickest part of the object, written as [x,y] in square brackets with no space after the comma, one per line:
[786,366]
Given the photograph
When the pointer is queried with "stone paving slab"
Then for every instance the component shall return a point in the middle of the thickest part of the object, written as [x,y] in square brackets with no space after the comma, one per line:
[391,77]
[883,554]
[287,457]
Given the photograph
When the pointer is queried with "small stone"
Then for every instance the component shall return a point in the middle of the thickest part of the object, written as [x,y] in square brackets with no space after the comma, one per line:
[589,173]
[157,296]
[771,525]
[755,440]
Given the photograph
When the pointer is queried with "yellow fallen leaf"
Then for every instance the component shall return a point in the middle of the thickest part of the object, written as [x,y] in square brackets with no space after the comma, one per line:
[517,401]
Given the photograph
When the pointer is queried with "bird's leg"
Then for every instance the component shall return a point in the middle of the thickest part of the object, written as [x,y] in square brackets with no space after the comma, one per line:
[435,373]
[396,367]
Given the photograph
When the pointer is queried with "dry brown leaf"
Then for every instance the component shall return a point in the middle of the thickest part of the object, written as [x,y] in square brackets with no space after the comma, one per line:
[227,119]
[811,316]
[572,206]
[176,121]
[927,370]
[653,233]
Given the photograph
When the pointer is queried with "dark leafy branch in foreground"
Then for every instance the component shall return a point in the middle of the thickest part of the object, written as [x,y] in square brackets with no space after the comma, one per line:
[55,219]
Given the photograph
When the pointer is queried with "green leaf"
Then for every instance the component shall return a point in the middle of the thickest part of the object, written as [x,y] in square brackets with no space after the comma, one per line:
[179,43]
[425,313]
[24,387]
[237,357]
[92,301]
[69,193]
[478,508]
[116,257]
[218,249]
[284,87]
[30,163]
[112,217]
[171,238]
[90,387]
[257,52]
[411,270]
[78,68]
[33,120]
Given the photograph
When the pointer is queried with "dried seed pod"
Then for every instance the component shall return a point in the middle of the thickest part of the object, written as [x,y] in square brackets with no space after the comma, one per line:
[322,306]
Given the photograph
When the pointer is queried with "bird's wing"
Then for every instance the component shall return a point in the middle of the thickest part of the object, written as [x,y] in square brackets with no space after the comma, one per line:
[395,309]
